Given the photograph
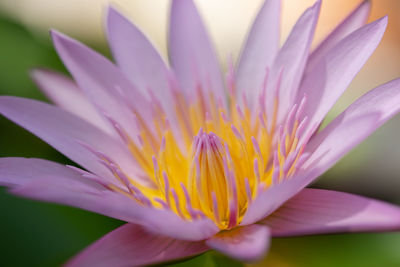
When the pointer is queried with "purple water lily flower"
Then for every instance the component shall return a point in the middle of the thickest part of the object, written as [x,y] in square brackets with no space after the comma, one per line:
[192,161]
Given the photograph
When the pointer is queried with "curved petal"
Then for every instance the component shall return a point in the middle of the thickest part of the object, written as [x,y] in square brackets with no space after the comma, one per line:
[66,94]
[132,245]
[16,172]
[248,243]
[260,49]
[51,182]
[140,62]
[271,199]
[103,83]
[64,131]
[135,55]
[292,59]
[191,53]
[331,76]
[352,22]
[316,211]
[351,126]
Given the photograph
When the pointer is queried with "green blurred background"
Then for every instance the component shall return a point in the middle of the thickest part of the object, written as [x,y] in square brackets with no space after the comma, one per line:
[41,234]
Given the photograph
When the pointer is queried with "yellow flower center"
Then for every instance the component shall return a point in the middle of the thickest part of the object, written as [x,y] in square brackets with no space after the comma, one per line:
[216,161]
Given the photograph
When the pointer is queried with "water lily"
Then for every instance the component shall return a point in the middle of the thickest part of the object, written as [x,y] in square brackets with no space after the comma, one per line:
[192,161]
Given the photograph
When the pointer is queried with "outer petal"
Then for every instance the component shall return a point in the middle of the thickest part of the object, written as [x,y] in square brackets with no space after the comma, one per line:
[103,83]
[331,76]
[15,172]
[316,211]
[191,53]
[135,55]
[260,49]
[65,93]
[132,245]
[47,181]
[271,199]
[351,127]
[249,243]
[64,131]
[140,62]
[292,59]
[352,22]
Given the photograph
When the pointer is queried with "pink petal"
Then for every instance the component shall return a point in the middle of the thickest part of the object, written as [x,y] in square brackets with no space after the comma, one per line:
[331,76]
[15,172]
[191,52]
[260,50]
[66,94]
[249,243]
[64,131]
[357,122]
[271,199]
[132,245]
[316,211]
[135,55]
[104,84]
[47,181]
[352,22]
[292,58]
[140,61]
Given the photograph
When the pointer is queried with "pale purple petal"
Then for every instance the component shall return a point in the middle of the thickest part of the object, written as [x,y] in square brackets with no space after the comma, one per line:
[271,199]
[260,50]
[248,243]
[352,22]
[136,56]
[62,91]
[352,126]
[132,245]
[292,59]
[316,211]
[64,131]
[140,62]
[331,76]
[191,52]
[16,172]
[47,181]
[104,84]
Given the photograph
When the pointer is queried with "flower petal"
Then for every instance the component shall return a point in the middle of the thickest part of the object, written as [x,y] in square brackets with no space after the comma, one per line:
[191,52]
[66,94]
[260,49]
[104,84]
[140,62]
[248,243]
[352,22]
[64,130]
[292,59]
[316,211]
[271,199]
[16,172]
[135,55]
[132,245]
[47,181]
[351,126]
[331,76]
